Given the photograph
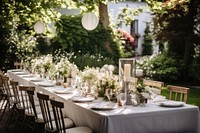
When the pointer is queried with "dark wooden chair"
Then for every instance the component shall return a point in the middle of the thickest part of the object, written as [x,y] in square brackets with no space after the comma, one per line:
[59,120]
[31,112]
[178,93]
[6,87]
[3,105]
[7,95]
[47,113]
[1,83]
[15,102]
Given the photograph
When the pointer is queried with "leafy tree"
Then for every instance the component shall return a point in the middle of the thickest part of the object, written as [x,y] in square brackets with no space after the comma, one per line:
[176,23]
[80,40]
[16,24]
[147,47]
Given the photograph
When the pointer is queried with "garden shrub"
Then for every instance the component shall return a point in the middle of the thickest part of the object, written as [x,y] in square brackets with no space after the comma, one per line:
[147,47]
[162,67]
[194,72]
[72,37]
[96,60]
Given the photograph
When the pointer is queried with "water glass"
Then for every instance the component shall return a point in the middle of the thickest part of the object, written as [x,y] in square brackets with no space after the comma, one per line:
[122,99]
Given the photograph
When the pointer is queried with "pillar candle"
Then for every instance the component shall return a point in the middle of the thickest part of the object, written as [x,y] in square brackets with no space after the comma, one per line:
[127,70]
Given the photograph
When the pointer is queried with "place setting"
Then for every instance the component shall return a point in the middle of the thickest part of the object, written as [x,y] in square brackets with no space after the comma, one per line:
[79,98]
[171,104]
[103,106]
[16,70]
[27,76]
[36,79]
[68,90]
[46,84]
[21,73]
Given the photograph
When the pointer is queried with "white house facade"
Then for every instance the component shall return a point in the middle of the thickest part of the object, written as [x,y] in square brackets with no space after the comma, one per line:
[139,22]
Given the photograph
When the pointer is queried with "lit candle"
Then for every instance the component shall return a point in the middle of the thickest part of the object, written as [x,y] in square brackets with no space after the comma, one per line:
[127,70]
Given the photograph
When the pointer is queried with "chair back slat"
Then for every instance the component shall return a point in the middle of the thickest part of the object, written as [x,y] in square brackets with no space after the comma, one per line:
[178,93]
[45,109]
[156,84]
[30,93]
[58,115]
[1,83]
[27,100]
[6,86]
[14,86]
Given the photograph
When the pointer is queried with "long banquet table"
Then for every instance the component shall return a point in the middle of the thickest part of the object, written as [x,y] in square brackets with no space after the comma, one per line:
[149,119]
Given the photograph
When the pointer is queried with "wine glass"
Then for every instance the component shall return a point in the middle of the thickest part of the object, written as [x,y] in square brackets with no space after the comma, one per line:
[122,99]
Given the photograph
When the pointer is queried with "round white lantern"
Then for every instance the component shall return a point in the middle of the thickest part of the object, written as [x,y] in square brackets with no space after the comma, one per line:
[39,27]
[90,21]
[139,73]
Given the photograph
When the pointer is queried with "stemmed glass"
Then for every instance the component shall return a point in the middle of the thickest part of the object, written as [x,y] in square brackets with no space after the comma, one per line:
[122,96]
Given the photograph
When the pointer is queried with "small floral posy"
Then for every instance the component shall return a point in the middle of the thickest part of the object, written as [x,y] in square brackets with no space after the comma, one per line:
[142,94]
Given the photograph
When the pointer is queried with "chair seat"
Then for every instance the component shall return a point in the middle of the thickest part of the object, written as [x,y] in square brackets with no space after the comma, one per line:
[79,130]
[37,110]
[68,123]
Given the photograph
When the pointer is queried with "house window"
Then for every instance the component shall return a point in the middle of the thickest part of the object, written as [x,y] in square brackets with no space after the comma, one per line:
[134,31]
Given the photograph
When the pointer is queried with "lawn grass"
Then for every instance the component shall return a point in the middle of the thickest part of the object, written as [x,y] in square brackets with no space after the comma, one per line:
[193,98]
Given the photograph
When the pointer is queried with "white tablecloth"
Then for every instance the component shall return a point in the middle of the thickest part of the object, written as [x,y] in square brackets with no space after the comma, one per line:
[149,119]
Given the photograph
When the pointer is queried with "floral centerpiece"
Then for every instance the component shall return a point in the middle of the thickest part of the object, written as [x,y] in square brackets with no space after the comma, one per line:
[63,71]
[107,70]
[36,65]
[108,88]
[62,68]
[46,62]
[90,76]
[42,64]
[142,94]
[107,85]
[66,69]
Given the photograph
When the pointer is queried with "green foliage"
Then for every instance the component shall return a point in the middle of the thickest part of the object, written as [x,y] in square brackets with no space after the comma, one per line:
[97,60]
[43,45]
[147,47]
[162,67]
[174,25]
[72,37]
[127,15]
[194,70]
[16,25]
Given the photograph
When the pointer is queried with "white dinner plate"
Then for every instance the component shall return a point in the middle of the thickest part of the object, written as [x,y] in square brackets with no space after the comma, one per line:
[104,106]
[46,84]
[21,73]
[171,104]
[36,79]
[82,99]
[64,91]
[16,70]
[27,76]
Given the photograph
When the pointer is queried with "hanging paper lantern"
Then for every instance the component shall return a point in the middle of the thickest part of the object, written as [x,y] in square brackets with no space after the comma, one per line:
[39,27]
[90,21]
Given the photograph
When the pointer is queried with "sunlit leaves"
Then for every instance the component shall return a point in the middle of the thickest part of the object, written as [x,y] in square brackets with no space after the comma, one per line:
[127,15]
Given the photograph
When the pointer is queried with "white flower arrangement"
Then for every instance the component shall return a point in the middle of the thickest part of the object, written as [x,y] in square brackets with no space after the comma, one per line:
[46,62]
[42,64]
[65,68]
[90,74]
[107,70]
